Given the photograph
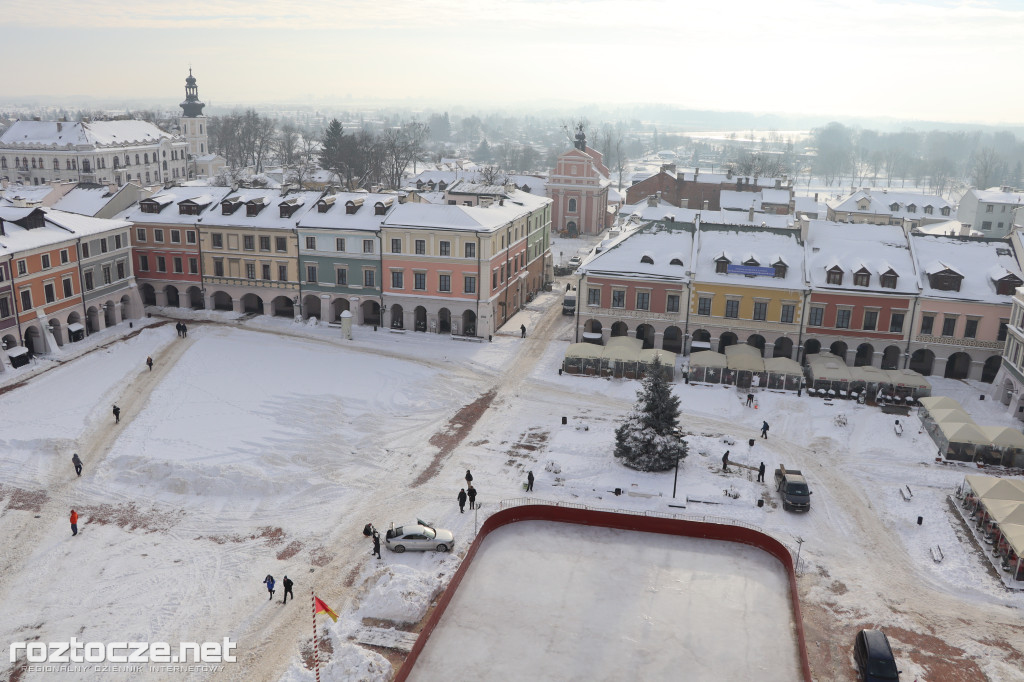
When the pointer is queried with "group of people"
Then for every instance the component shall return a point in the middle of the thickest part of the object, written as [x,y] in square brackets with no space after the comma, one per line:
[269,582]
[371,532]
[182,329]
[764,434]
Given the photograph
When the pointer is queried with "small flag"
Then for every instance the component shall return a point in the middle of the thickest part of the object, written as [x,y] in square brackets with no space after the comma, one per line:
[324,608]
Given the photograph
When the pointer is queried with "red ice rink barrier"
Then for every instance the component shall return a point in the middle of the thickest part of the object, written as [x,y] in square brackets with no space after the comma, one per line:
[605,519]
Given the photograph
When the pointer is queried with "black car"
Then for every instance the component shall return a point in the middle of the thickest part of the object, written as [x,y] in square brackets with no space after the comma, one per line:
[873,656]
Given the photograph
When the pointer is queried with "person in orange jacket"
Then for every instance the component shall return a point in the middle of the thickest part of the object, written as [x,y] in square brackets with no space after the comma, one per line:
[74,522]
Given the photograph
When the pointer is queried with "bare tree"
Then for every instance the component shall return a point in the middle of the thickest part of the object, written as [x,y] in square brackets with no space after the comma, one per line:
[987,168]
[288,143]
[399,147]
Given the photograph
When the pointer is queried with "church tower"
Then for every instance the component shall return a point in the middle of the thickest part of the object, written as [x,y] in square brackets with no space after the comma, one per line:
[193,122]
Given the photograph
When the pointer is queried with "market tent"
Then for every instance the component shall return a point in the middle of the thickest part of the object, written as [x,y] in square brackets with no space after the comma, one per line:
[828,372]
[621,357]
[1006,445]
[583,358]
[707,365]
[907,382]
[667,359]
[958,440]
[1005,511]
[939,403]
[956,415]
[1004,490]
[1014,534]
[783,373]
[979,485]
[746,365]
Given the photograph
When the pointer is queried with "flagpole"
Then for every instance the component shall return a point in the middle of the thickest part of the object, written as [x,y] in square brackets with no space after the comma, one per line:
[316,649]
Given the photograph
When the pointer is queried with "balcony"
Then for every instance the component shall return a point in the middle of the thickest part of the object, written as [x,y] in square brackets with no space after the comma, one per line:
[954,341]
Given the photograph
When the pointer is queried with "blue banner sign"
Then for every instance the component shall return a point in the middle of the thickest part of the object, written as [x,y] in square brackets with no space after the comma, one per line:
[752,270]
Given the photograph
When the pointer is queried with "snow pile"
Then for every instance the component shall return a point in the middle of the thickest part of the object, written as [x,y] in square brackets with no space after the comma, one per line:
[347,661]
[401,595]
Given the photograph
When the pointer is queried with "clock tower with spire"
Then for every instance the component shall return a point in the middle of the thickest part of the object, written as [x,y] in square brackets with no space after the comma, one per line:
[193,122]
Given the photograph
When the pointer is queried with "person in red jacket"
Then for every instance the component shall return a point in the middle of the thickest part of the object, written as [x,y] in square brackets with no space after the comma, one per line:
[74,522]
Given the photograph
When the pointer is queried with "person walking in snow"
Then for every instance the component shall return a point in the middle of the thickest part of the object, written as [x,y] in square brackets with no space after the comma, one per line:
[471,494]
[469,479]
[725,461]
[117,414]
[522,329]
[529,481]
[760,473]
[750,400]
[74,522]
[764,430]
[376,545]
[77,462]
[177,328]
[269,582]
[149,363]
[462,500]
[184,331]
[287,589]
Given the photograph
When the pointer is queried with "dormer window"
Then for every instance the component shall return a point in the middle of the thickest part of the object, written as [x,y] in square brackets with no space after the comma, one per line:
[289,207]
[944,210]
[722,265]
[834,275]
[188,208]
[675,261]
[912,208]
[647,259]
[324,205]
[254,206]
[230,205]
[431,185]
[946,280]
[149,207]
[442,185]
[928,209]
[863,204]
[352,205]
[33,220]
[888,280]
[862,278]
[1007,285]
[894,206]
[419,184]
[780,270]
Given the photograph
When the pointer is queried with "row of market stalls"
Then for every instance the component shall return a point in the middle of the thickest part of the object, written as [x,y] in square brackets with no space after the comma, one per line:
[829,376]
[742,366]
[959,438]
[622,357]
[996,505]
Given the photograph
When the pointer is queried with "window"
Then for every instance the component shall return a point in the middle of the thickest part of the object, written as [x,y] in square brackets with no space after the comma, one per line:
[721,266]
[248,242]
[49,292]
[989,208]
[815,317]
[672,303]
[46,261]
[896,322]
[5,307]
[760,310]
[175,239]
[397,279]
[282,273]
[143,262]
[26,299]
[444,283]
[89,286]
[218,267]
[339,244]
[193,266]
[643,300]
[140,234]
[948,325]
[311,243]
[250,271]
[85,250]
[368,278]
[619,298]
[179,267]
[986,224]
[861,279]
[971,329]
[834,276]
[469,284]
[494,279]
[158,235]
[280,244]
[265,271]
[470,250]
[594,297]
[161,266]
[870,320]
[421,246]
[64,256]
[704,305]
[23,267]
[446,248]
[1001,336]
[341,276]
[788,312]
[926,324]
[732,308]
[888,281]
[843,318]
[396,246]
[572,205]
[419,281]
[264,243]
[217,240]
[367,246]
[68,289]
[103,245]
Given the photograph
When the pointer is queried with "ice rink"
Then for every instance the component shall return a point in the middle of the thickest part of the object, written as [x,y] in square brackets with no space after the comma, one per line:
[555,601]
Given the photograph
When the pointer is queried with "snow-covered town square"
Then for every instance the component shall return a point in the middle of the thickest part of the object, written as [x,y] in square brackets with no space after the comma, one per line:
[262,446]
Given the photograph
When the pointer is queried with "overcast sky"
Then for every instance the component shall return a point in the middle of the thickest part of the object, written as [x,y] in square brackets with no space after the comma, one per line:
[922,59]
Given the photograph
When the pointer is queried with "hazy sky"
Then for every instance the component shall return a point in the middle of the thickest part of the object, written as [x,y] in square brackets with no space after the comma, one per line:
[923,59]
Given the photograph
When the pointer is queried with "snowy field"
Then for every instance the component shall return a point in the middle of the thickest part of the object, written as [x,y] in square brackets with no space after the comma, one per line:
[264,446]
[536,604]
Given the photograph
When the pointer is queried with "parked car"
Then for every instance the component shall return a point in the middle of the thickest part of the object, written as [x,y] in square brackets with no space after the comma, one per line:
[569,304]
[792,487]
[873,656]
[574,262]
[418,536]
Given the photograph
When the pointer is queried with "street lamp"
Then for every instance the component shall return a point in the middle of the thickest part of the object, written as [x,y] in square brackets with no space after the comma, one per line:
[675,480]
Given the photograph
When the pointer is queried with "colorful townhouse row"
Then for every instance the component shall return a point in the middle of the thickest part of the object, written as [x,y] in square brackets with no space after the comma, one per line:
[62,275]
[875,295]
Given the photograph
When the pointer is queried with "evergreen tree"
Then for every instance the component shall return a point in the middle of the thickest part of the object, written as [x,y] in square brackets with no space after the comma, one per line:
[332,148]
[483,152]
[646,441]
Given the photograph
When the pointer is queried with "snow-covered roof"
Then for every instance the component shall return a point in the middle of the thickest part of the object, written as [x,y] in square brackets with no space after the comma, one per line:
[537,184]
[878,248]
[58,227]
[170,198]
[731,200]
[888,202]
[998,195]
[808,205]
[641,211]
[336,217]
[740,244]
[94,134]
[770,195]
[655,251]
[33,194]
[85,199]
[268,217]
[982,262]
[473,218]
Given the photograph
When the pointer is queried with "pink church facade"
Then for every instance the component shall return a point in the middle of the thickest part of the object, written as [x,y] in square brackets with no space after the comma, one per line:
[578,188]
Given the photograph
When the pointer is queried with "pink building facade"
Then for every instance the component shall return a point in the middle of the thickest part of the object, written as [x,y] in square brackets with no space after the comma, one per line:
[578,188]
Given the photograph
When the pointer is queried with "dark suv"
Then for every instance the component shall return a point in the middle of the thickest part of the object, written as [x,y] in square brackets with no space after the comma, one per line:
[873,656]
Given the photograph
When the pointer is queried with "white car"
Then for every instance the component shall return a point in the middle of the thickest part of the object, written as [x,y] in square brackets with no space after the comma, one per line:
[575,261]
[418,536]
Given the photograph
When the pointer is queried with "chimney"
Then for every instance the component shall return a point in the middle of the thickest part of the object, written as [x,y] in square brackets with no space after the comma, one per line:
[696,172]
[750,214]
[706,204]
[684,203]
[778,183]
[728,175]
[60,126]
[652,200]
[815,197]
[485,202]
